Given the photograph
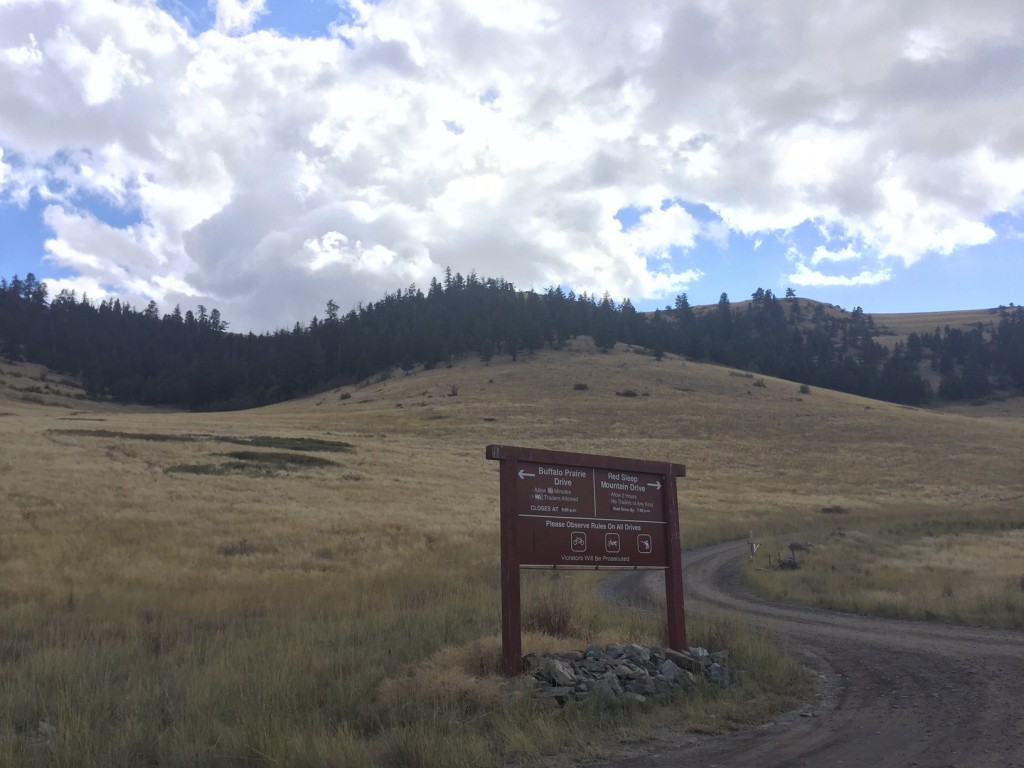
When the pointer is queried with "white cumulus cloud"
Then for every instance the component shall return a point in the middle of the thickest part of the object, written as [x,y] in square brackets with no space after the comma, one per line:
[238,16]
[821,253]
[264,174]
[808,277]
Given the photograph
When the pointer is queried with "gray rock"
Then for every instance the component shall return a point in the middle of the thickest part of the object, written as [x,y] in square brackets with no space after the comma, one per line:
[42,734]
[645,686]
[669,670]
[637,653]
[682,660]
[606,675]
[606,692]
[665,688]
[558,671]
[45,730]
[701,656]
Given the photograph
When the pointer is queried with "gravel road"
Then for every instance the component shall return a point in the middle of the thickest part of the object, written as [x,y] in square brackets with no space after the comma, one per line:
[890,692]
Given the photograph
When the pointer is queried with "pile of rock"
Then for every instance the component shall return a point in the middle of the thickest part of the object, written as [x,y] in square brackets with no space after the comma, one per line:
[623,672]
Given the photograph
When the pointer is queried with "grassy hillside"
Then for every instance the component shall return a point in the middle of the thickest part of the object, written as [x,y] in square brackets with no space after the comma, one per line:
[896,328]
[901,325]
[316,583]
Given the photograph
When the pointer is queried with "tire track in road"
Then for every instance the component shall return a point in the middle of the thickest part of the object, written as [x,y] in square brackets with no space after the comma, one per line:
[890,692]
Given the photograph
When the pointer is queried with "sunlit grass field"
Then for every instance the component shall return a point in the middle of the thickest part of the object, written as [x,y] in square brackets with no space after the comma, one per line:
[317,583]
[956,570]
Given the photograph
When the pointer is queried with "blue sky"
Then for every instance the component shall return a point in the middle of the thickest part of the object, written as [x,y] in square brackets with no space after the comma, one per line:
[264,157]
[292,18]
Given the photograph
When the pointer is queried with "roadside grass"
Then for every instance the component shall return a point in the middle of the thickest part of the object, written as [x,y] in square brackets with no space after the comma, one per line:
[349,615]
[960,571]
[397,666]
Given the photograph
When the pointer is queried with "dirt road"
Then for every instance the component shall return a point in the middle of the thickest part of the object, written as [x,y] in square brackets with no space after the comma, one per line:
[890,693]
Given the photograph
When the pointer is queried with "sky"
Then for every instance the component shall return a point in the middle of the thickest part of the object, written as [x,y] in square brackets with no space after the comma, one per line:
[266,156]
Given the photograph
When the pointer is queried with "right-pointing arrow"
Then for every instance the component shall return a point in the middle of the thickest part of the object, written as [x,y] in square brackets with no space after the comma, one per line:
[656,485]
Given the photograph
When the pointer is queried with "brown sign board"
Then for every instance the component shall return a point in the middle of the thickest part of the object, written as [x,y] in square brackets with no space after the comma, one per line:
[581,517]
[572,510]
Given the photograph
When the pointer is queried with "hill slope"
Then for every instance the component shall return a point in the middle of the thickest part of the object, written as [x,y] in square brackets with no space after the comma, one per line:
[192,361]
[755,452]
[293,581]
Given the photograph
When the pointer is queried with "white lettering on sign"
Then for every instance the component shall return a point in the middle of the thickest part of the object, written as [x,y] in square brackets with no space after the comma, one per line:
[622,486]
[561,472]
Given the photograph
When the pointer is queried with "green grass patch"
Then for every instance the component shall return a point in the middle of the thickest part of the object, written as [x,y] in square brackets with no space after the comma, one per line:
[260,441]
[227,468]
[279,459]
[254,463]
[291,443]
[112,434]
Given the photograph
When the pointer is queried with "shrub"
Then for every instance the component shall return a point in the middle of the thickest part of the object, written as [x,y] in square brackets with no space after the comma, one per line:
[553,611]
[627,393]
[580,387]
[241,547]
[805,389]
[834,510]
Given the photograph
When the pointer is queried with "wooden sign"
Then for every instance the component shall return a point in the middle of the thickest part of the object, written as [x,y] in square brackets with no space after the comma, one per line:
[573,510]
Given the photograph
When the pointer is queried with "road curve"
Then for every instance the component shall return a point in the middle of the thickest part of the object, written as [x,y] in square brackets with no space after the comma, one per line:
[890,692]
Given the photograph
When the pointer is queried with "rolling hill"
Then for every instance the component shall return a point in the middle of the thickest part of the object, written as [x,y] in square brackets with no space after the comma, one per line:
[293,581]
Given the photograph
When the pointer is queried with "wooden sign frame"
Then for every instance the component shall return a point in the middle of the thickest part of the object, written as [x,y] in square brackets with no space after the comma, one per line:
[580,511]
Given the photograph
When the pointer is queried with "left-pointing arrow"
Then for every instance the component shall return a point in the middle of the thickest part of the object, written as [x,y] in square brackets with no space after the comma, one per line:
[523,474]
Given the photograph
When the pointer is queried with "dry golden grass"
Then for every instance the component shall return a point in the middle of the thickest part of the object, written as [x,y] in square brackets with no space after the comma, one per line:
[904,324]
[915,572]
[348,614]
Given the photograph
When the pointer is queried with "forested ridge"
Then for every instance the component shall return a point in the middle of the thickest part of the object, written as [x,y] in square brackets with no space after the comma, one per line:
[192,360]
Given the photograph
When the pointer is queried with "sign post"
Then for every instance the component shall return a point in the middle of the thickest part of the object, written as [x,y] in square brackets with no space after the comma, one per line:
[573,510]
